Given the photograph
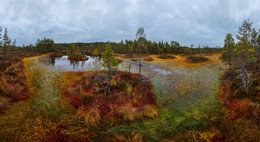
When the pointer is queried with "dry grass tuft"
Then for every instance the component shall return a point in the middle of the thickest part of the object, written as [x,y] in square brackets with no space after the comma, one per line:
[150,111]
[134,137]
[92,116]
[212,134]
[70,76]
[128,112]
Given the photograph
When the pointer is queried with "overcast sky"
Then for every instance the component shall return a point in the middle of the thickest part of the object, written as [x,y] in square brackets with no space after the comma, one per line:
[198,22]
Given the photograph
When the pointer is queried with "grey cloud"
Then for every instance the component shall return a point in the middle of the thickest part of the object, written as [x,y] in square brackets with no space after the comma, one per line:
[198,22]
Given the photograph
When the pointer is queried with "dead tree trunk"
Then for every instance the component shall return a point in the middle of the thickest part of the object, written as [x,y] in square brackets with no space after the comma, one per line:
[140,66]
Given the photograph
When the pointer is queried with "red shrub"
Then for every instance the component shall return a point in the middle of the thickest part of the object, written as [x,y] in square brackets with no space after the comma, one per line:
[13,82]
[238,108]
[57,136]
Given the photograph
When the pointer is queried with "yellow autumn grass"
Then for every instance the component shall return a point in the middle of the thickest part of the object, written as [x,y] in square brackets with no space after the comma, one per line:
[194,135]
[68,77]
[181,60]
[128,112]
[133,137]
[91,116]
[150,111]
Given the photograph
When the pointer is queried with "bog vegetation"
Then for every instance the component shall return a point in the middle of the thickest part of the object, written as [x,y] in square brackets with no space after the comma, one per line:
[159,91]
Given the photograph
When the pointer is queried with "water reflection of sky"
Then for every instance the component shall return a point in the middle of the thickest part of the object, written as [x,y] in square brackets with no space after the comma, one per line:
[66,65]
[94,64]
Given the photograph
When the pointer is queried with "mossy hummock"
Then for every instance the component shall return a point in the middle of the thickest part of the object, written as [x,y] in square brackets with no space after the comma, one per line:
[129,99]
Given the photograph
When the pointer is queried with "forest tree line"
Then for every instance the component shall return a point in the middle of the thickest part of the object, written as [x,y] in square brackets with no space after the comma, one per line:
[129,47]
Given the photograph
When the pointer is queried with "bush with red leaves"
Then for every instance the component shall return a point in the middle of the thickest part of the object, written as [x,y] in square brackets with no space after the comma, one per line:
[56,135]
[13,83]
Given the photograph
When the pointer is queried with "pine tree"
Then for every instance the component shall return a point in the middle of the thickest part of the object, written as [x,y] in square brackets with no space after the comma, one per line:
[228,50]
[109,63]
[254,35]
[245,30]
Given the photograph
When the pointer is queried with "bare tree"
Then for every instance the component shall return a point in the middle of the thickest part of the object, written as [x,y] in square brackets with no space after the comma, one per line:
[245,77]
[141,37]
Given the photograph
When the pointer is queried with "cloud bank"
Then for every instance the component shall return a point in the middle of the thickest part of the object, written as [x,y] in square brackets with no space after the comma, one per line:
[198,22]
